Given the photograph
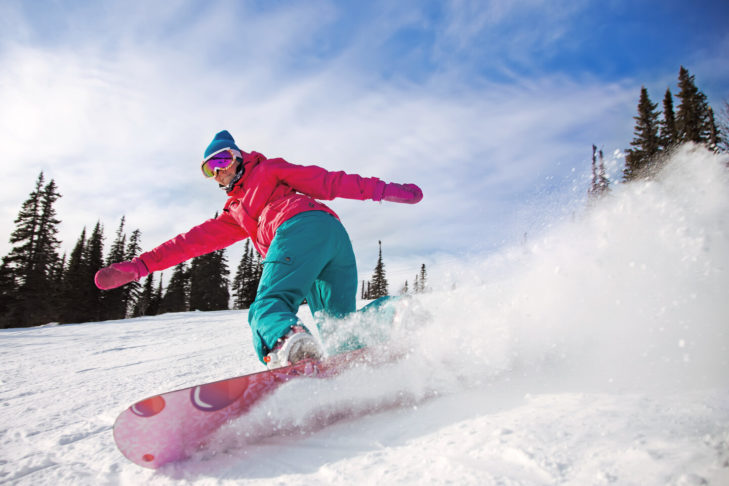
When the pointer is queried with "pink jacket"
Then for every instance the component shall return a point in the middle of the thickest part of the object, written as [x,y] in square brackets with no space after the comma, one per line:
[269,193]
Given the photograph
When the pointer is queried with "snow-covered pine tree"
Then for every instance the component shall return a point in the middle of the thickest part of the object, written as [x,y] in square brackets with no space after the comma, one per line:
[722,125]
[423,279]
[600,183]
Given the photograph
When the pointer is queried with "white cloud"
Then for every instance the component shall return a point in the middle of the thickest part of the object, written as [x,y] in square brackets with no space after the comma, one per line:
[121,129]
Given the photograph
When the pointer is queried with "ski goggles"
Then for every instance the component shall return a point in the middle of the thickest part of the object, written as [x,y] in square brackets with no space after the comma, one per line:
[220,160]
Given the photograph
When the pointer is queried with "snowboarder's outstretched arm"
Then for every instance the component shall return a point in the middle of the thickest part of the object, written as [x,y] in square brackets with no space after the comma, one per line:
[320,183]
[204,238]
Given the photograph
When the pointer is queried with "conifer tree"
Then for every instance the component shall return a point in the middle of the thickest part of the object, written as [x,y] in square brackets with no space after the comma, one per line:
[239,280]
[600,183]
[132,290]
[115,300]
[714,141]
[8,294]
[156,303]
[668,134]
[423,281]
[646,144]
[209,282]
[93,260]
[143,303]
[722,125]
[245,283]
[73,283]
[176,297]
[34,258]
[379,281]
[405,290]
[25,236]
[692,119]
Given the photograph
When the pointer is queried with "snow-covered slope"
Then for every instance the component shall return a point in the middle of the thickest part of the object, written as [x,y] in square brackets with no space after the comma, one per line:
[597,353]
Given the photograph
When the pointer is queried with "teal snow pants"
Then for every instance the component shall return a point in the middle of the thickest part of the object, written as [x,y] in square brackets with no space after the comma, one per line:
[310,257]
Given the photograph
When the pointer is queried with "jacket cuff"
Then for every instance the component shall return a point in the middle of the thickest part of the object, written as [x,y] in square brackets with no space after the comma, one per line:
[142,268]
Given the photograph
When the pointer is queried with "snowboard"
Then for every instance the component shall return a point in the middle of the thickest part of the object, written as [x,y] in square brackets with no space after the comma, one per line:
[171,426]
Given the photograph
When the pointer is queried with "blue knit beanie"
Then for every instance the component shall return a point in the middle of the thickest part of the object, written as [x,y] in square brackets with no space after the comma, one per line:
[222,140]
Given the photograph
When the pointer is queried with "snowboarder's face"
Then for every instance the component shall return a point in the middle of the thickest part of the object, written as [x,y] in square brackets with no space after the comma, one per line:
[224,176]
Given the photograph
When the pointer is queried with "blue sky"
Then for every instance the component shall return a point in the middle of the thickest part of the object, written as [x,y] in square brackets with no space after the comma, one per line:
[490,106]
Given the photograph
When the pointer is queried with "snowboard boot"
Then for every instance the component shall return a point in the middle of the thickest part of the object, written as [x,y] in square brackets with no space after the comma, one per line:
[298,344]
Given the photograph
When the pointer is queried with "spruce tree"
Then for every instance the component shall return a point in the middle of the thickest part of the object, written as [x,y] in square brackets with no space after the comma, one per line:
[143,303]
[115,300]
[693,122]
[722,125]
[245,283]
[379,281]
[209,282]
[156,303]
[600,183]
[73,283]
[132,290]
[714,141]
[8,294]
[177,294]
[25,236]
[423,281]
[646,144]
[668,134]
[93,260]
[34,258]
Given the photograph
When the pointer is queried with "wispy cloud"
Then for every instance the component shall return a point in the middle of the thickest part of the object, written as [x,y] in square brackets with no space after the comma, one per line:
[119,109]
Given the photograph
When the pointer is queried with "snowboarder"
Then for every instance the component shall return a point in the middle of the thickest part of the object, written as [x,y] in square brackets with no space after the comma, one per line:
[307,251]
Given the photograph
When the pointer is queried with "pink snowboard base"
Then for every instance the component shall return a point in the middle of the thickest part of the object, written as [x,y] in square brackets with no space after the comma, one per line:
[171,426]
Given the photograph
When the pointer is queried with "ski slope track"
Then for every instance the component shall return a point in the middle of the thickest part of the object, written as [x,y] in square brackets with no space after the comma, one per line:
[596,352]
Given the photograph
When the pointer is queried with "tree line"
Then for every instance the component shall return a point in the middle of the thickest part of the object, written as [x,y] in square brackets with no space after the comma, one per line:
[658,132]
[38,285]
[377,286]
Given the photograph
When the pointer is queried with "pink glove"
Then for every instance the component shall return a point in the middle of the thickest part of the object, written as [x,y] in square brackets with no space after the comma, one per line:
[402,193]
[118,274]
